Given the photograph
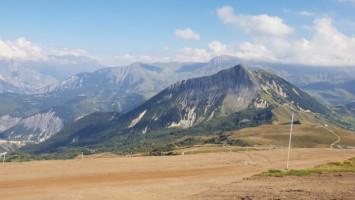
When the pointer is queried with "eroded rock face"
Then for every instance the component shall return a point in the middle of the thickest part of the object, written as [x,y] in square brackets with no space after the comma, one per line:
[36,128]
[192,101]
[228,91]
[47,123]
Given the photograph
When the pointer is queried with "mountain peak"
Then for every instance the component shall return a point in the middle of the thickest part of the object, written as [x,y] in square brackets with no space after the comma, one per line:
[237,70]
[232,98]
[235,77]
[192,101]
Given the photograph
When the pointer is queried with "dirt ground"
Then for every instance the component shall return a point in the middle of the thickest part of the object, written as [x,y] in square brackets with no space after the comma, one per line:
[197,176]
[316,186]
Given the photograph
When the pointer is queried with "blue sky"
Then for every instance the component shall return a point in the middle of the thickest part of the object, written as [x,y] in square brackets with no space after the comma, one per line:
[120,32]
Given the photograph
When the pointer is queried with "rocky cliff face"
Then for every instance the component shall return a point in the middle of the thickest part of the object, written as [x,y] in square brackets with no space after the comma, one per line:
[36,128]
[46,124]
[190,102]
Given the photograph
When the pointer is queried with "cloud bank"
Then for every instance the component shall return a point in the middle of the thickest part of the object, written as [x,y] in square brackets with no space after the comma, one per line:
[22,49]
[187,34]
[270,42]
[326,47]
[259,24]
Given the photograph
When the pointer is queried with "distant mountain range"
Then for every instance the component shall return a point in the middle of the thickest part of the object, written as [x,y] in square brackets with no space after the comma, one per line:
[333,94]
[122,89]
[23,77]
[231,99]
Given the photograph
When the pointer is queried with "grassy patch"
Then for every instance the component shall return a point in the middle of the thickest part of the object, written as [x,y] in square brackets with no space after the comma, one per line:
[345,166]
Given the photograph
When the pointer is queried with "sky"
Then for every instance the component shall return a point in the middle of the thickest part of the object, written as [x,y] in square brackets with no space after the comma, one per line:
[115,33]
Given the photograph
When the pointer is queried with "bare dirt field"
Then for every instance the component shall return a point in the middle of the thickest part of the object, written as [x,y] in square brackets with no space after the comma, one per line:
[198,176]
[315,186]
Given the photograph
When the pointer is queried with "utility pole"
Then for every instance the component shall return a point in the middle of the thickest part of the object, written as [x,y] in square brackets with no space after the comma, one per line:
[289,142]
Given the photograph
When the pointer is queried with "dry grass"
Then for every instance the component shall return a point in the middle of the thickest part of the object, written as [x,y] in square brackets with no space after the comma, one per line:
[340,166]
[304,135]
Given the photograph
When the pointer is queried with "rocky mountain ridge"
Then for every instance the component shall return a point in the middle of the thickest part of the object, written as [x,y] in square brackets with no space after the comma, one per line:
[122,89]
[41,126]
[235,97]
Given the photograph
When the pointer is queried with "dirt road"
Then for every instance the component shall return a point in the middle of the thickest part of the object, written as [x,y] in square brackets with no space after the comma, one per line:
[174,177]
[338,138]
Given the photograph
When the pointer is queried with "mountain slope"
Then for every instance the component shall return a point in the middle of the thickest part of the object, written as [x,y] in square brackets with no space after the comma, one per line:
[231,99]
[333,94]
[122,89]
[119,89]
[16,78]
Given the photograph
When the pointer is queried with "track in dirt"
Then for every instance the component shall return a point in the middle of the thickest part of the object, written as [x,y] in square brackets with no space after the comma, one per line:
[148,177]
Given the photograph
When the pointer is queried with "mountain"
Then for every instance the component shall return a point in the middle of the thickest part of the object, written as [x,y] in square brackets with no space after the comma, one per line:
[16,78]
[332,86]
[122,89]
[333,94]
[231,99]
[299,75]
[119,89]
[28,76]
[23,77]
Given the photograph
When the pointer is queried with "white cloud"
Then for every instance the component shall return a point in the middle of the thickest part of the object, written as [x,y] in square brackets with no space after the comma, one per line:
[259,25]
[327,47]
[128,59]
[186,54]
[22,49]
[218,48]
[259,52]
[192,55]
[187,34]
[305,13]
